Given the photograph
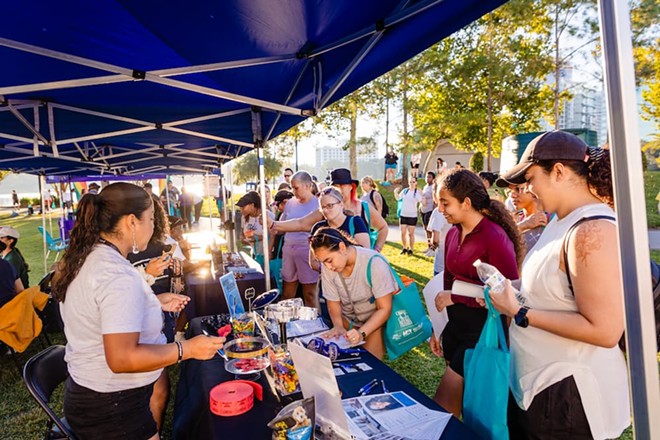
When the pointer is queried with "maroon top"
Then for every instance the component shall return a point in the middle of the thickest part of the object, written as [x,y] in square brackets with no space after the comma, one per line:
[487,242]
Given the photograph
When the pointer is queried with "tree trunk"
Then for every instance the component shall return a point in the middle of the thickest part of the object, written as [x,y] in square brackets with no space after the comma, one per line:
[406,140]
[352,142]
[387,130]
[490,95]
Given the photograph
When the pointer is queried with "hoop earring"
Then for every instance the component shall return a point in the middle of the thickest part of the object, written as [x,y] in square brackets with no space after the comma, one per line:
[135,246]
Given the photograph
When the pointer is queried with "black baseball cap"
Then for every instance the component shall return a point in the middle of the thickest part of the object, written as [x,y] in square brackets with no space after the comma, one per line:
[552,145]
[251,197]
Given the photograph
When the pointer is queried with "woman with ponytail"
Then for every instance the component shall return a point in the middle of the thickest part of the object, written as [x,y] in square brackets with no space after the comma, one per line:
[112,321]
[357,307]
[484,230]
[569,377]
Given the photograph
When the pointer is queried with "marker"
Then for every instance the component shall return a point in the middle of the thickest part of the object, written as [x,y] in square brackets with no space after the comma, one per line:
[368,387]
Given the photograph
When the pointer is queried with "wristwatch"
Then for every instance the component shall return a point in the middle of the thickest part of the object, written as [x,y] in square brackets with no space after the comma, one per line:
[364,335]
[521,317]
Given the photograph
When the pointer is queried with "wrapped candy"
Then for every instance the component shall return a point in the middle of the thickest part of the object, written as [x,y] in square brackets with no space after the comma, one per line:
[283,370]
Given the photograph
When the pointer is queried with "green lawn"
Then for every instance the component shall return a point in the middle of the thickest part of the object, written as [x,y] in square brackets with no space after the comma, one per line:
[651,190]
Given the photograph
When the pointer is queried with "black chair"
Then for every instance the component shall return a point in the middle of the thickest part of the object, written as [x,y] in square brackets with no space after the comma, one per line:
[50,315]
[42,374]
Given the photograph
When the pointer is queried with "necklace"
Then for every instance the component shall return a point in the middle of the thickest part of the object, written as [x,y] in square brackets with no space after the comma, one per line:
[107,243]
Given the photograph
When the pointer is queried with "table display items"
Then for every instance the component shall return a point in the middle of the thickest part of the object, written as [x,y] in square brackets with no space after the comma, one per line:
[234,397]
[296,421]
[247,356]
[282,370]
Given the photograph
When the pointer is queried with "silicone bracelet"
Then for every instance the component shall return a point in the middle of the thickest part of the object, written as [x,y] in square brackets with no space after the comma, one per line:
[180,348]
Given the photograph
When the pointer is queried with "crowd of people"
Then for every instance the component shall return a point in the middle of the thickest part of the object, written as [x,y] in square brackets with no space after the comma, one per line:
[120,284]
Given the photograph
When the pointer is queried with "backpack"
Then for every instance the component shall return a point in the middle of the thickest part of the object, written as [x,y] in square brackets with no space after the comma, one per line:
[655,279]
[386,209]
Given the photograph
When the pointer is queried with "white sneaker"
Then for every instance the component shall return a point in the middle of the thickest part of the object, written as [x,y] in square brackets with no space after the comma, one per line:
[429,252]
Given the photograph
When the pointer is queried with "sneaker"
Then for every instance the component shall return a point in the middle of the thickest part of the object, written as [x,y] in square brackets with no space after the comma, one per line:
[410,252]
[429,252]
[404,251]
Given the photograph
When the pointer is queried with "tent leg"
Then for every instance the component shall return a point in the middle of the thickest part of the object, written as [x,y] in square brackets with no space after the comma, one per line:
[42,187]
[631,212]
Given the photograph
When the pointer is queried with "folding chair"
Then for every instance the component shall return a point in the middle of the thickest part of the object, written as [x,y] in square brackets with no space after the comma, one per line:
[54,244]
[42,374]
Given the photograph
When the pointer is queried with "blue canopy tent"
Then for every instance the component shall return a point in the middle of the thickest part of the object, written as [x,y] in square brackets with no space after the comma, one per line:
[142,87]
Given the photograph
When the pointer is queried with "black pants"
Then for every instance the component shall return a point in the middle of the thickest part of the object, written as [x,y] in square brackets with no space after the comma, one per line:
[555,413]
[198,211]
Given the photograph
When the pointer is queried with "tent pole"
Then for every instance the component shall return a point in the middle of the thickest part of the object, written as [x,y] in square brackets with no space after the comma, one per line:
[208,193]
[631,212]
[230,214]
[167,195]
[42,185]
[259,144]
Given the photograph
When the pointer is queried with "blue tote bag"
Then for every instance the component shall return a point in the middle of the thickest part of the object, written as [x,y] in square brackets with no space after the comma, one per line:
[486,392]
[408,325]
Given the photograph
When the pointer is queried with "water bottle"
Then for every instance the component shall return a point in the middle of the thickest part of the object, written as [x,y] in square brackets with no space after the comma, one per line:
[494,279]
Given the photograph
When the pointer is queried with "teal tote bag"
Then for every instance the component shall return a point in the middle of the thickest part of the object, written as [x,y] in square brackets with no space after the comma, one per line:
[486,392]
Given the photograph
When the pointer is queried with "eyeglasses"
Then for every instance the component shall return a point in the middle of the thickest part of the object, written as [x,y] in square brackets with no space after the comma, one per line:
[288,175]
[329,206]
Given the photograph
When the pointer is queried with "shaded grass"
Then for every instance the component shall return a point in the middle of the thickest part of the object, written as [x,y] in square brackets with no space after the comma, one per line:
[651,190]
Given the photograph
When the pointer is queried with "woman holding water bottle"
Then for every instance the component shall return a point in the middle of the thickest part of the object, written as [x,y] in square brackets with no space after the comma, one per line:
[569,377]
[482,230]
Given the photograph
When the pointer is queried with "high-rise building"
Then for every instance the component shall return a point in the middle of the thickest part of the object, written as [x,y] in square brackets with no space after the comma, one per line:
[335,154]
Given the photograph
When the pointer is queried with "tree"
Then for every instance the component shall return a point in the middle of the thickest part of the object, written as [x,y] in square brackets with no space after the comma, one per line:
[484,82]
[651,91]
[246,168]
[3,174]
[285,146]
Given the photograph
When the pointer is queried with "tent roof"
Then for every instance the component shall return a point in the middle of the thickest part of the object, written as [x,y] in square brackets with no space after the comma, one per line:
[134,87]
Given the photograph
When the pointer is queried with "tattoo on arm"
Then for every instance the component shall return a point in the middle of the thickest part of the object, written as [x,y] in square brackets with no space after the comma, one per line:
[588,239]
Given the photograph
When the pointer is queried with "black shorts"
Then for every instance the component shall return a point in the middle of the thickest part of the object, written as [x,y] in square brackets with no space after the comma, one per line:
[410,221]
[426,216]
[118,415]
[555,413]
[462,333]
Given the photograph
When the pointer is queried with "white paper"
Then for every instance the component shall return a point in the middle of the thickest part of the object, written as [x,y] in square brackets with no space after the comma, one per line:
[393,416]
[302,327]
[438,319]
[317,378]
[467,289]
[341,341]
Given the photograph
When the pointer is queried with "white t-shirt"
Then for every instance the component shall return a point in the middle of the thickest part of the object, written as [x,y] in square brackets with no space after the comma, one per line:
[382,280]
[410,200]
[108,296]
[253,227]
[437,222]
[427,199]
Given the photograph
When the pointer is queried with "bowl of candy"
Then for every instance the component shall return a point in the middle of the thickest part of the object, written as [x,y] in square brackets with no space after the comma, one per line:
[247,355]
[282,370]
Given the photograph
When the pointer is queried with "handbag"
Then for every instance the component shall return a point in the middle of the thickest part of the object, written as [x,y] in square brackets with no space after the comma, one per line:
[486,392]
[408,325]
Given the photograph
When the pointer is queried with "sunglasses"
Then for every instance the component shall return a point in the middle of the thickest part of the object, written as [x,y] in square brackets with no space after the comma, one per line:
[317,239]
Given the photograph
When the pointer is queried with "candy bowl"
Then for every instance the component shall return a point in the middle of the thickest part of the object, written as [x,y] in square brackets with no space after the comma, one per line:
[247,355]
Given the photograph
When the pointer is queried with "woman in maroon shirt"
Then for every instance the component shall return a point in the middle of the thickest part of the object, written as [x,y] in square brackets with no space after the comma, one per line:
[483,229]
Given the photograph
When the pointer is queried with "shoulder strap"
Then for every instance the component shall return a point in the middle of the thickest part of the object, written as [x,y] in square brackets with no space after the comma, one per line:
[567,238]
[351,226]
[396,275]
[367,213]
[371,196]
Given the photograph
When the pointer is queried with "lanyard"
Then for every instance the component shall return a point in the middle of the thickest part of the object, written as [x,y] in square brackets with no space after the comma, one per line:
[107,243]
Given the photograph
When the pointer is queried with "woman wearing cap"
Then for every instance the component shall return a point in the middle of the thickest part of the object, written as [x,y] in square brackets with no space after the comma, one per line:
[482,229]
[250,206]
[9,236]
[358,308]
[112,321]
[565,356]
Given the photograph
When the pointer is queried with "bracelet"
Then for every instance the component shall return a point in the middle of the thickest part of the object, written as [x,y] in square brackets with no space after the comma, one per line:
[180,348]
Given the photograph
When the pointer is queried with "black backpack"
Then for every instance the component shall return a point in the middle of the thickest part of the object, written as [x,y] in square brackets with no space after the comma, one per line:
[386,209]
[655,279]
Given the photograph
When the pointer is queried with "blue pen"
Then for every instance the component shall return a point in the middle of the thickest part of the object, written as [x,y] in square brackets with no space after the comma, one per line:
[382,383]
[368,387]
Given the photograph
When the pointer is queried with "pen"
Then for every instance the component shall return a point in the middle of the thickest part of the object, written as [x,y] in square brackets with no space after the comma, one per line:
[368,387]
[221,352]
[382,383]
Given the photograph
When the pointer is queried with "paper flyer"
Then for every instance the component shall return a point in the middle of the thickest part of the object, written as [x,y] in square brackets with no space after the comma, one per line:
[438,319]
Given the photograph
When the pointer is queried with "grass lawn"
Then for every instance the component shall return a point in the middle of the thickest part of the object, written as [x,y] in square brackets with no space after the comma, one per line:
[20,418]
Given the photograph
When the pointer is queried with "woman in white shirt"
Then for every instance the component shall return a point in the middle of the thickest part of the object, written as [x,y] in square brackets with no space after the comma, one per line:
[568,375]
[113,322]
[409,198]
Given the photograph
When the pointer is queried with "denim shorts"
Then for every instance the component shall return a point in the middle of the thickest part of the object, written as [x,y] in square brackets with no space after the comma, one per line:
[105,416]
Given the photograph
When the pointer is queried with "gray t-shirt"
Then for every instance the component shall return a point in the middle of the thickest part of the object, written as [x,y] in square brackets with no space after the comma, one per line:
[358,306]
[108,296]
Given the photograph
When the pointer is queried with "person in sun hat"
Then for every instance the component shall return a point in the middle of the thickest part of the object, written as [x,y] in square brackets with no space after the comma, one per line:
[564,351]
[9,236]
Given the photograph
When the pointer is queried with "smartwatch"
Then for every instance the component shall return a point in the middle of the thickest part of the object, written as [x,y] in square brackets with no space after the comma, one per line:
[521,317]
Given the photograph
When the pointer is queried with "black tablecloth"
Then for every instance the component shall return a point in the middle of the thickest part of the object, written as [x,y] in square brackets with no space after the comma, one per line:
[194,420]
[206,294]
